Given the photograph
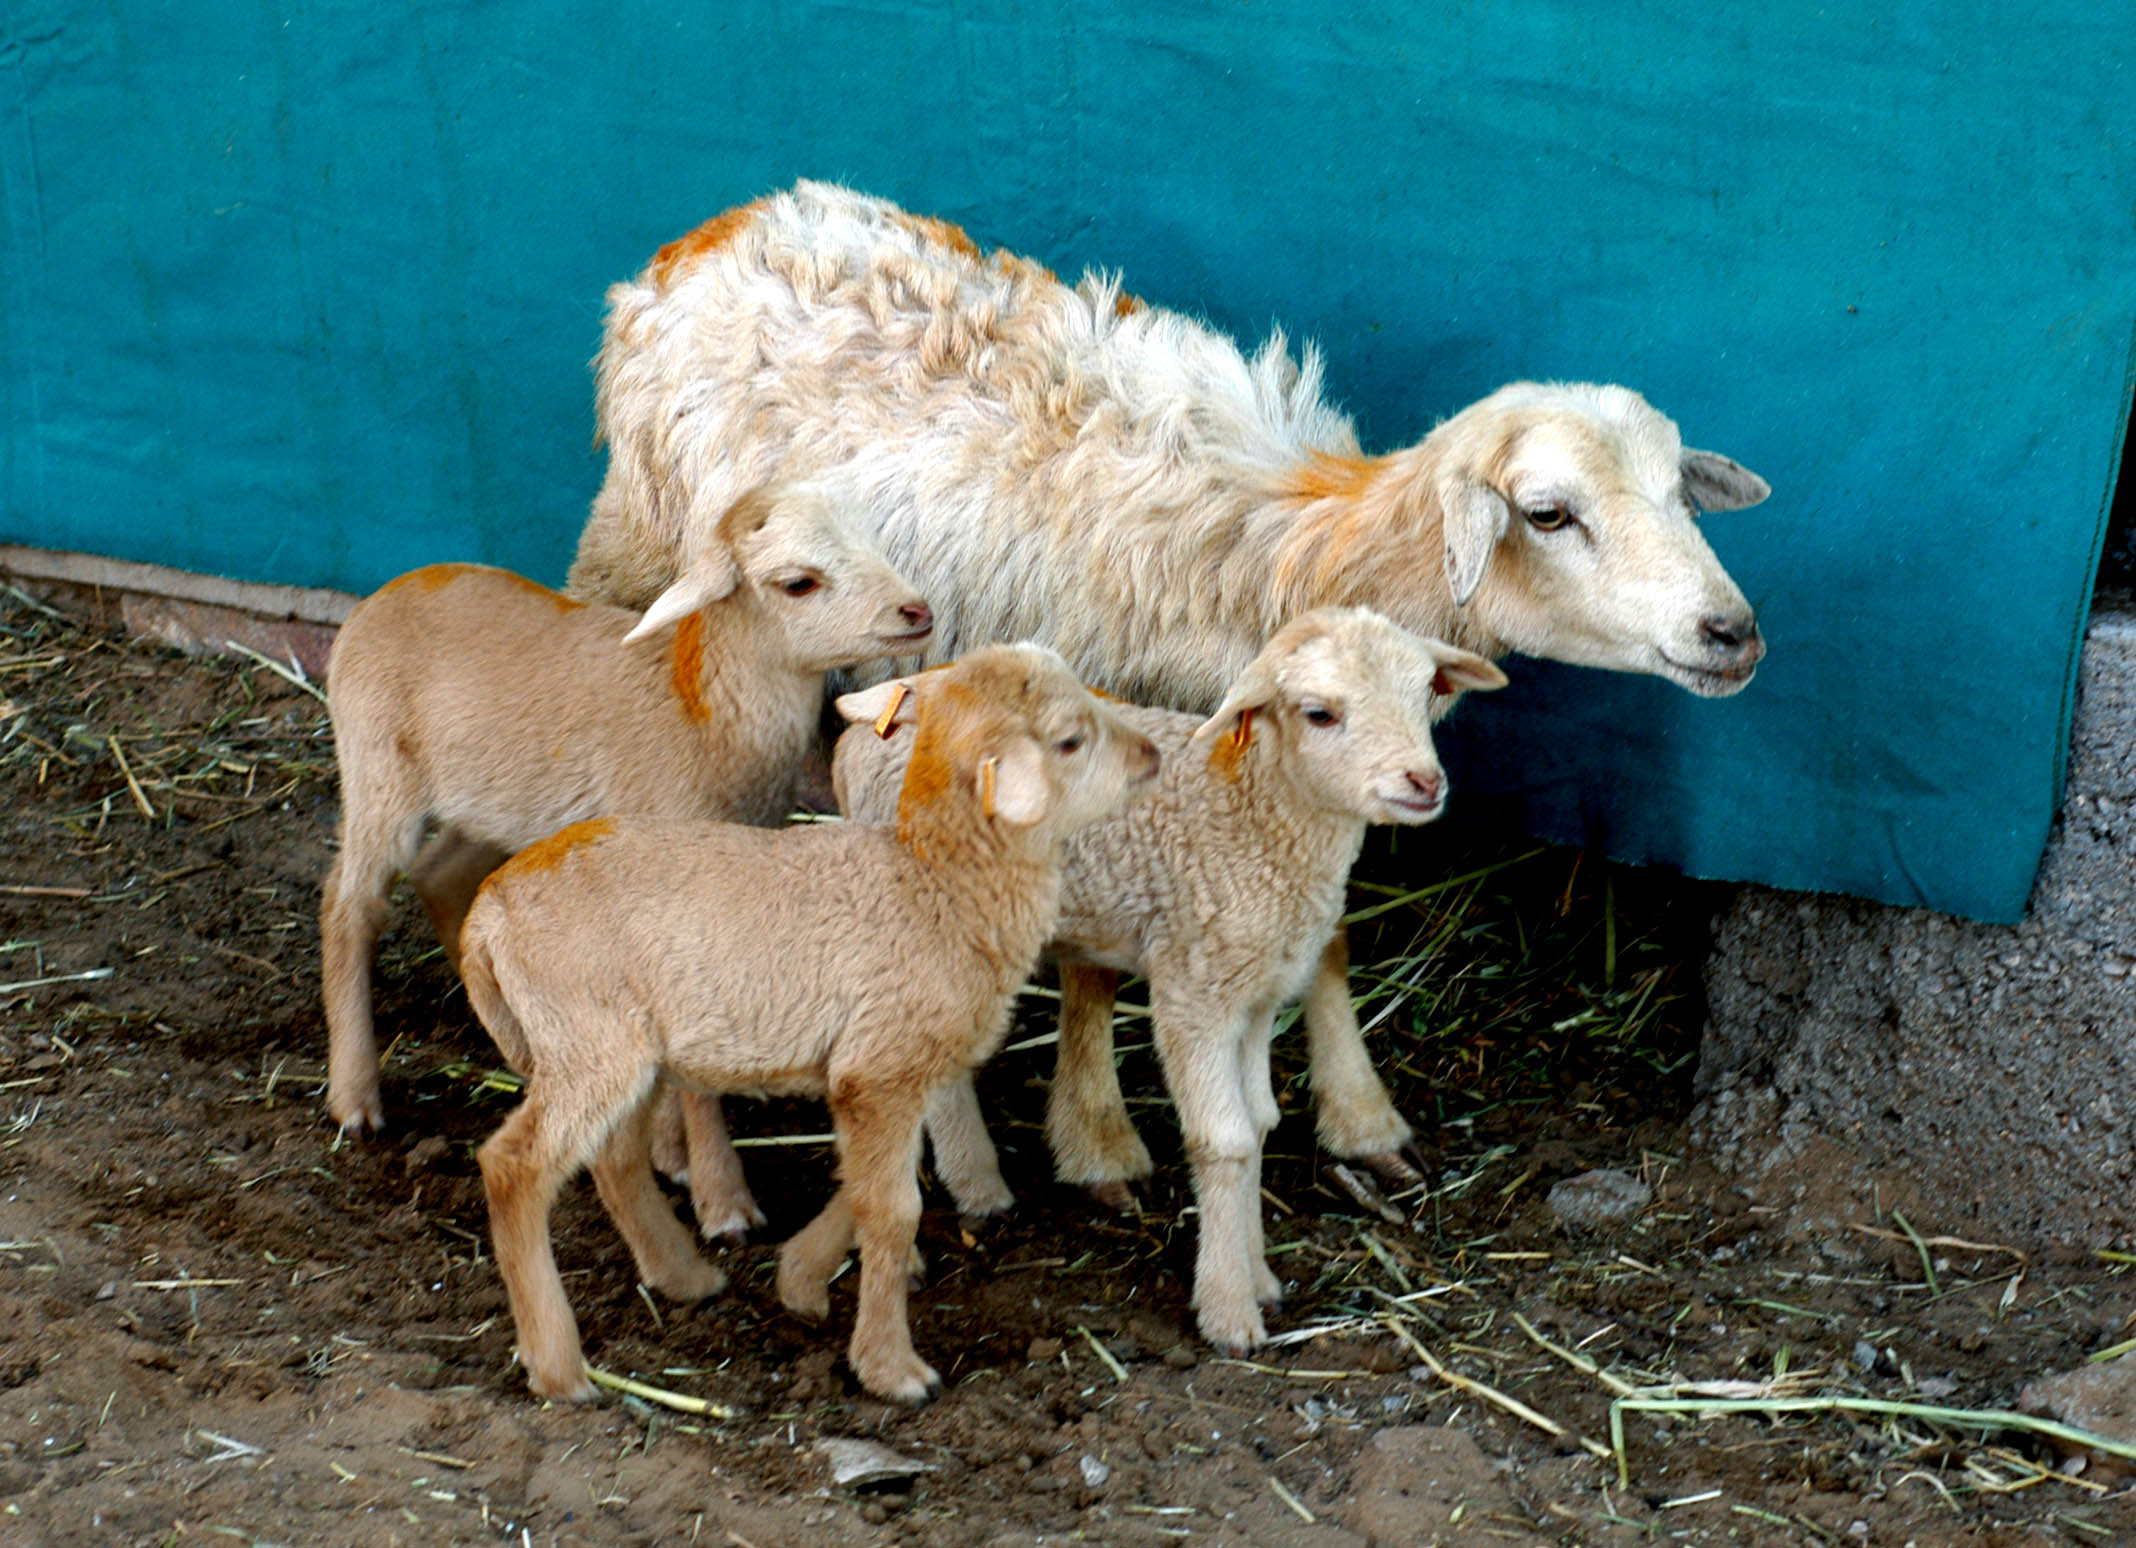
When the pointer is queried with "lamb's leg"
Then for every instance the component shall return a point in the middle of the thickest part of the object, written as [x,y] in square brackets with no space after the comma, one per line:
[1357,1119]
[811,1256]
[879,1125]
[445,876]
[719,1193]
[964,1154]
[1260,1090]
[667,1259]
[521,1173]
[1201,1047]
[376,842]
[1094,1143]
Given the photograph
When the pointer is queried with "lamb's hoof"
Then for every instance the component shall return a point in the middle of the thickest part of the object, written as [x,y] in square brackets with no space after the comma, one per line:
[899,1379]
[1116,1196]
[1234,1331]
[696,1282]
[560,1387]
[729,1227]
[1397,1169]
[970,1228]
[982,1201]
[358,1115]
[803,1292]
[1267,1288]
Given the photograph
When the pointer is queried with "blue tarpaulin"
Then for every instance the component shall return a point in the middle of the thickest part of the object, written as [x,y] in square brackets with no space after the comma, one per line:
[306,293]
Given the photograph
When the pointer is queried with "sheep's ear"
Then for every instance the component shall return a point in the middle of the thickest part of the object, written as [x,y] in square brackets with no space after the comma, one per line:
[1012,784]
[1460,670]
[1719,483]
[1251,694]
[884,706]
[710,577]
[1476,522]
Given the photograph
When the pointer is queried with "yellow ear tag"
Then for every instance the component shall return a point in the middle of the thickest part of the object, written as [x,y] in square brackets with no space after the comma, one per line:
[986,786]
[887,717]
[1244,734]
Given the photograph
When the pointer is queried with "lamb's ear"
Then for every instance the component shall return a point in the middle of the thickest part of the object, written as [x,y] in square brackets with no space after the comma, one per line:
[1252,693]
[1012,784]
[884,706]
[1719,483]
[711,576]
[1476,522]
[1459,671]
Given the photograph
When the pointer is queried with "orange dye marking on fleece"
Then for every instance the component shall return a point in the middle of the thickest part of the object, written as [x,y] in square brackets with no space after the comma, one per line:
[708,238]
[929,229]
[547,854]
[431,577]
[1125,305]
[686,665]
[1325,477]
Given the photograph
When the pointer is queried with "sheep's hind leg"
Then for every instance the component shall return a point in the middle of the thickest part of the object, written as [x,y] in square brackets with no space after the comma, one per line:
[1094,1142]
[667,1259]
[1357,1120]
[719,1193]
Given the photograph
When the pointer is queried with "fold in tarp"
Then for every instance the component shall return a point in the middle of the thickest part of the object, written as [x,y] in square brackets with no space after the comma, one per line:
[306,294]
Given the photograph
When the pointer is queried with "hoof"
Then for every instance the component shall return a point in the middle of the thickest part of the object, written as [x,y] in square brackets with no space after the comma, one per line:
[561,1389]
[360,1118]
[910,1380]
[696,1282]
[1235,1335]
[1117,1197]
[730,1228]
[1396,1169]
[1267,1288]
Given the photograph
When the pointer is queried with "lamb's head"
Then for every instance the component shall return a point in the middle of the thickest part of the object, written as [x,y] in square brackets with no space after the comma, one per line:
[1571,527]
[1346,699]
[791,553]
[1011,730]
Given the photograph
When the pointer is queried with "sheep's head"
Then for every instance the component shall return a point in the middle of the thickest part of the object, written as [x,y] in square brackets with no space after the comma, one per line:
[791,553]
[1571,533]
[1011,730]
[1346,700]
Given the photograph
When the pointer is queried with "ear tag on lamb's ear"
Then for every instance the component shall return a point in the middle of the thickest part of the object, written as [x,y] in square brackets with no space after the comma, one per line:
[1242,738]
[884,721]
[986,785]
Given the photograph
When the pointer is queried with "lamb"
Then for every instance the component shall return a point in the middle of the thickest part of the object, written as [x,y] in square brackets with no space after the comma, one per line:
[1224,887]
[502,711]
[867,963]
[1119,481]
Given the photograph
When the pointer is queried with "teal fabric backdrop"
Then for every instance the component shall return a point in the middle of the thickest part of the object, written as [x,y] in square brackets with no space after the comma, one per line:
[306,293]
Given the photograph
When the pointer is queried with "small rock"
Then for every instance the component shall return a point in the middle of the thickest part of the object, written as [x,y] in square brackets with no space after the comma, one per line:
[1602,1197]
[107,1290]
[1094,1472]
[1865,1355]
[864,1461]
[1180,1358]
[425,1154]
[1041,1350]
[873,1513]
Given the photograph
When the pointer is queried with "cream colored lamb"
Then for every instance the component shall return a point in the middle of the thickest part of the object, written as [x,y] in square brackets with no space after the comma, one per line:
[500,711]
[869,963]
[1120,481]
[1223,888]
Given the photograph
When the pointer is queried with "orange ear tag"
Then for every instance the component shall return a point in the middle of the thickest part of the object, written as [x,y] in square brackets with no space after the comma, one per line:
[1244,735]
[884,721]
[986,786]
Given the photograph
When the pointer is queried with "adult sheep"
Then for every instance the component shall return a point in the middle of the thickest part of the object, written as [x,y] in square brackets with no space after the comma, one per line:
[1119,481]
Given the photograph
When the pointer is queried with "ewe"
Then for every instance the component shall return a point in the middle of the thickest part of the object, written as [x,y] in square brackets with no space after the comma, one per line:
[1119,481]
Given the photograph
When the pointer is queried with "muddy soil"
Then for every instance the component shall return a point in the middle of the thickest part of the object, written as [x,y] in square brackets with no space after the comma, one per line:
[218,1321]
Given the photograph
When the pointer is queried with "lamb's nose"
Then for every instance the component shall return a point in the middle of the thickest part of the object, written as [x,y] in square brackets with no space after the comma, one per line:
[918,614]
[1737,635]
[1429,787]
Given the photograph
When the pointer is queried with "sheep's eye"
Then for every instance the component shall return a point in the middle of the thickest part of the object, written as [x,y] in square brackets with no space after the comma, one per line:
[1321,715]
[800,585]
[1068,746]
[1549,518]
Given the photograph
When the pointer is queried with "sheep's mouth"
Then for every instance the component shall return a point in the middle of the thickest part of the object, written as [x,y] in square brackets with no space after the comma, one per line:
[1411,809]
[1708,682]
[909,637]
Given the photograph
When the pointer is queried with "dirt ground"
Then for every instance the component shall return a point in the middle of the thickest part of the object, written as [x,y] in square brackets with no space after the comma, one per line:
[218,1321]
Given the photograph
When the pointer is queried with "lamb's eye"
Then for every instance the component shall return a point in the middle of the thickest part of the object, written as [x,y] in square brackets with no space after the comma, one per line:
[1068,746]
[1549,518]
[1321,715]
[800,585]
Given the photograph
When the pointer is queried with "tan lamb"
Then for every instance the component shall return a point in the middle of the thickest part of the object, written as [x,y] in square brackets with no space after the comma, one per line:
[498,711]
[868,963]
[1223,888]
[1070,465]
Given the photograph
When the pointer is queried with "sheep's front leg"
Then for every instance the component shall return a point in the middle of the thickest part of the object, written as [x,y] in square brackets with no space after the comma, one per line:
[964,1154]
[1202,1051]
[1094,1143]
[1357,1119]
[879,1131]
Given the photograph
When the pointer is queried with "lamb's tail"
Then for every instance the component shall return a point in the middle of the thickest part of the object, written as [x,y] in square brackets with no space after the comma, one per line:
[478,970]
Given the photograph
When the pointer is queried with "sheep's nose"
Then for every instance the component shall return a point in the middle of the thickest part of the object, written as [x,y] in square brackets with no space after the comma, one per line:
[1737,635]
[917,614]
[1429,787]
